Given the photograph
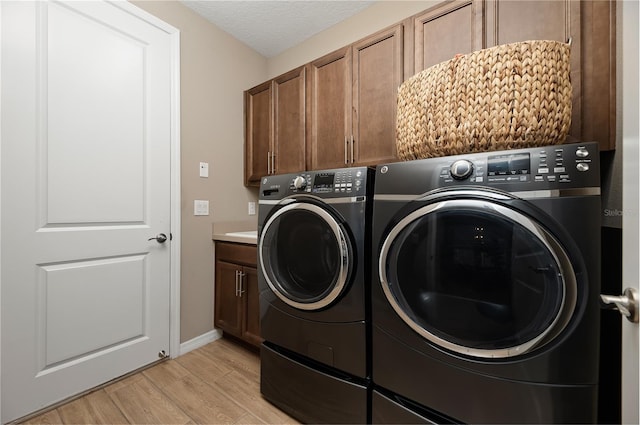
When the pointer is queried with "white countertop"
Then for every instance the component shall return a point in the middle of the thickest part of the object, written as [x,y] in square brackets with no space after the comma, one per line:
[235,231]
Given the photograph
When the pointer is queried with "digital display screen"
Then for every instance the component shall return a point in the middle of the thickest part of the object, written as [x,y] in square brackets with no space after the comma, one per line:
[323,181]
[508,165]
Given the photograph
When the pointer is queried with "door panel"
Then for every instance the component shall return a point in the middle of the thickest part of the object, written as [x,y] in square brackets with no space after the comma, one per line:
[377,73]
[91,121]
[515,21]
[258,132]
[86,140]
[79,301]
[434,40]
[228,303]
[289,108]
[330,110]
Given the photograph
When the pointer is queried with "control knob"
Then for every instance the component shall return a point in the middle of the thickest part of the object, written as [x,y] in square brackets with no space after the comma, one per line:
[461,169]
[582,152]
[299,182]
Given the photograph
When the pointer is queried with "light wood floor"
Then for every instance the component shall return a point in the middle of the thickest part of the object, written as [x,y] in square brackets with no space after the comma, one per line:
[218,383]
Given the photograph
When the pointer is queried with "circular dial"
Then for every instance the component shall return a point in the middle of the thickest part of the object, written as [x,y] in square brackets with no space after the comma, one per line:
[461,169]
[299,182]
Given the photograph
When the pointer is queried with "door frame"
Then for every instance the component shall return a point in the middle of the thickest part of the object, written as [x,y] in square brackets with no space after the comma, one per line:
[175,194]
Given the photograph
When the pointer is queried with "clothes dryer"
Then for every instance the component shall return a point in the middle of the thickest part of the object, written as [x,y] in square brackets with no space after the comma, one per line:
[314,282]
[485,305]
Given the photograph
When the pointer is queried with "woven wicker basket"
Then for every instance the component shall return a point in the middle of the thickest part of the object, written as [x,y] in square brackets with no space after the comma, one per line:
[510,96]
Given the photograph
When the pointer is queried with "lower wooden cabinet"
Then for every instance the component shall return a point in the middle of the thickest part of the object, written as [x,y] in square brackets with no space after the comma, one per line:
[236,291]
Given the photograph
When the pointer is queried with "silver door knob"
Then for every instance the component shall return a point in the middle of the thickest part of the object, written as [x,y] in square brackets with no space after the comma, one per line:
[626,304]
[160,238]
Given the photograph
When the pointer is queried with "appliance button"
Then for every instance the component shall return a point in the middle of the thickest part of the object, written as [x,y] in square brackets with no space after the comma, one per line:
[582,166]
[461,169]
[582,153]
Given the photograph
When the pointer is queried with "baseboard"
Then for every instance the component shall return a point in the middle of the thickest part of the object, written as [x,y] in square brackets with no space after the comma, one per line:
[199,341]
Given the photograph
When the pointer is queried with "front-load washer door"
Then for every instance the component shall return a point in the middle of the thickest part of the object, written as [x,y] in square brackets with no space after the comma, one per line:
[477,277]
[305,255]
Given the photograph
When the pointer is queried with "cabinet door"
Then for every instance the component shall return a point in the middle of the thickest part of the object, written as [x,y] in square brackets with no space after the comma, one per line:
[330,109]
[228,305]
[444,31]
[258,133]
[598,69]
[251,295]
[377,73]
[512,21]
[289,137]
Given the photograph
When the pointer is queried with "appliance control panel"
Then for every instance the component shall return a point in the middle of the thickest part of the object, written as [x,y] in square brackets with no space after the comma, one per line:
[557,166]
[554,167]
[344,181]
[334,183]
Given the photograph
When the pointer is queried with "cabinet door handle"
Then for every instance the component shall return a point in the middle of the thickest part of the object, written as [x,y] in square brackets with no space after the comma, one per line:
[273,163]
[352,158]
[236,283]
[268,163]
[346,149]
[241,283]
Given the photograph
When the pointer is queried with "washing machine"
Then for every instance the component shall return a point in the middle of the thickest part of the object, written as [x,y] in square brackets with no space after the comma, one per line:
[314,282]
[486,274]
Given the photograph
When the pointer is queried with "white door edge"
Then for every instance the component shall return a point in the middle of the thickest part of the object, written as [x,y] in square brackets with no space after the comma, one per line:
[174,33]
[629,91]
[0,215]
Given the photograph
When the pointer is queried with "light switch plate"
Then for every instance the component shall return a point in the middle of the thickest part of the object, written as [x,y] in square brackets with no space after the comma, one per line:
[252,208]
[200,207]
[204,169]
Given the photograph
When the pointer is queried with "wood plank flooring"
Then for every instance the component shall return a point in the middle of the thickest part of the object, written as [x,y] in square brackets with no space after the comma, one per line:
[217,383]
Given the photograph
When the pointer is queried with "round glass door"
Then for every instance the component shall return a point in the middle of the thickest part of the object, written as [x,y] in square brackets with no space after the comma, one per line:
[305,256]
[477,278]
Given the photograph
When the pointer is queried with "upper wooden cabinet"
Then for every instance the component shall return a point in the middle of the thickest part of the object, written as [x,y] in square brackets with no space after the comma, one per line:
[598,68]
[330,107]
[289,138]
[590,25]
[275,134]
[378,63]
[559,20]
[258,132]
[353,102]
[340,109]
[454,27]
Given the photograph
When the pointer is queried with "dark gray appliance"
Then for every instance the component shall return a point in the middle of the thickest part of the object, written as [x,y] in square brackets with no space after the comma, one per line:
[486,278]
[314,280]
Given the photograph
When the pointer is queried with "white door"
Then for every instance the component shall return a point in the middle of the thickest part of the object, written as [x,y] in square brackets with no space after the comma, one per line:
[86,132]
[628,20]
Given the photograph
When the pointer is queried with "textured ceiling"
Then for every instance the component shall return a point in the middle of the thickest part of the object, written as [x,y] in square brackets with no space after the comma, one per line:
[271,27]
